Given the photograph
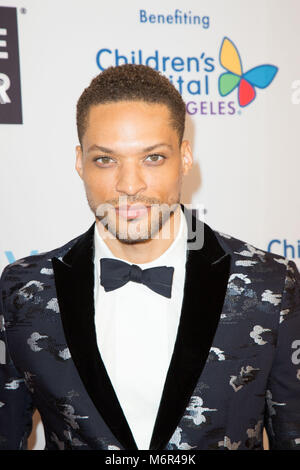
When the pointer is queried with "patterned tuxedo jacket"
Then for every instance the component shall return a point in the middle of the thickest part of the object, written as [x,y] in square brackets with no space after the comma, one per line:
[235,367]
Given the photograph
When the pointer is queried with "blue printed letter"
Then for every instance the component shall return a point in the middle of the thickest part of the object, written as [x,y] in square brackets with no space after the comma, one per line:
[143,16]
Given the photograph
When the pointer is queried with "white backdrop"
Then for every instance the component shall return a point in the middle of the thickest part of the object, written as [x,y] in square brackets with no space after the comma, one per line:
[247,166]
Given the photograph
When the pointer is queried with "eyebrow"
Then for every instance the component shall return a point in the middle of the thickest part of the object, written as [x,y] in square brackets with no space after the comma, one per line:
[146,149]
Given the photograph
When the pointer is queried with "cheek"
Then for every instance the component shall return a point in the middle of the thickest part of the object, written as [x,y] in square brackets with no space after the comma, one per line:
[98,188]
[97,180]
[166,180]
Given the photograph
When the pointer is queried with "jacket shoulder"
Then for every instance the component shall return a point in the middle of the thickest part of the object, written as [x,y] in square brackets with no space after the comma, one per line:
[258,274]
[38,263]
[248,254]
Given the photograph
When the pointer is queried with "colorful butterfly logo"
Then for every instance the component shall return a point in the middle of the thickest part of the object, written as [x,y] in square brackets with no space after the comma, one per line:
[260,76]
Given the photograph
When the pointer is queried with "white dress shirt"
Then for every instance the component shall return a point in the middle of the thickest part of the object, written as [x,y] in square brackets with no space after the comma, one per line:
[136,331]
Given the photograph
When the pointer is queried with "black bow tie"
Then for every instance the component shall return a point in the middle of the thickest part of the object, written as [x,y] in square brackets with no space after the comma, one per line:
[116,273]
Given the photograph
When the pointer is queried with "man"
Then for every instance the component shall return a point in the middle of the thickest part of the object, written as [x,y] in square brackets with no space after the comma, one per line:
[151,330]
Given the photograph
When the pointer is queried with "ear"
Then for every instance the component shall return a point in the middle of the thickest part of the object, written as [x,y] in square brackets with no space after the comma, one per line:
[79,161]
[186,156]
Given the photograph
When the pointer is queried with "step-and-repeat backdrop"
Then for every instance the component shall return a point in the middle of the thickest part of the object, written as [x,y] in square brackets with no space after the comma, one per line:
[237,66]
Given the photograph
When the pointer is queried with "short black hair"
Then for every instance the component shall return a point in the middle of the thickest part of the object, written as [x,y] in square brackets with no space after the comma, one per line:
[131,82]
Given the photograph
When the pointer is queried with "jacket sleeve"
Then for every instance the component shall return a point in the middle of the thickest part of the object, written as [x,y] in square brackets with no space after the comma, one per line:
[16,407]
[283,394]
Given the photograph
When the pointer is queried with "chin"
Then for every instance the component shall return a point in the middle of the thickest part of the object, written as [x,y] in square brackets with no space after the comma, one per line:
[129,241]
[129,234]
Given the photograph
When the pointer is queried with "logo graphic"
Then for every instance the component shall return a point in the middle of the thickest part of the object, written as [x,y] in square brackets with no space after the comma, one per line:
[260,76]
[10,86]
[194,76]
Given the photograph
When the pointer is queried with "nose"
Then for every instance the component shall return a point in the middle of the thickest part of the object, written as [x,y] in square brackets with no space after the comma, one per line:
[130,180]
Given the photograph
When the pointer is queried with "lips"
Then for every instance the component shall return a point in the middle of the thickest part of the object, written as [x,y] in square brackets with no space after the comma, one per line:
[132,211]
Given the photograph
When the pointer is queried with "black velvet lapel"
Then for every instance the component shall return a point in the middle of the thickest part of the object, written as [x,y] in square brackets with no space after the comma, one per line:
[74,279]
[207,271]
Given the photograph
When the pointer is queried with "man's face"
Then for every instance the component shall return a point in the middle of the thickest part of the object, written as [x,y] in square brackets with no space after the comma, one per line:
[132,165]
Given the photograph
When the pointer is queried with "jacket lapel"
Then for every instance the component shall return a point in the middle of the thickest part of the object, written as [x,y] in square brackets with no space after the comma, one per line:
[207,271]
[74,279]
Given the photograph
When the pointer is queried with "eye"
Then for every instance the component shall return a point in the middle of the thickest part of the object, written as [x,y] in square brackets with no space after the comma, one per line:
[154,158]
[104,160]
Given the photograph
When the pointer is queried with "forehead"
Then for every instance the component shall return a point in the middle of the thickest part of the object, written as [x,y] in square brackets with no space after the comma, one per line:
[129,121]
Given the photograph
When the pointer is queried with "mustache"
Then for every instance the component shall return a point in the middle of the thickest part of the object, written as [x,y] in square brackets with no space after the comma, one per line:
[133,200]
[104,208]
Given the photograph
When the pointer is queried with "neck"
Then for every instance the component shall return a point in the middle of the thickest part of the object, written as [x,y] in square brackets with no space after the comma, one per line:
[146,251]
